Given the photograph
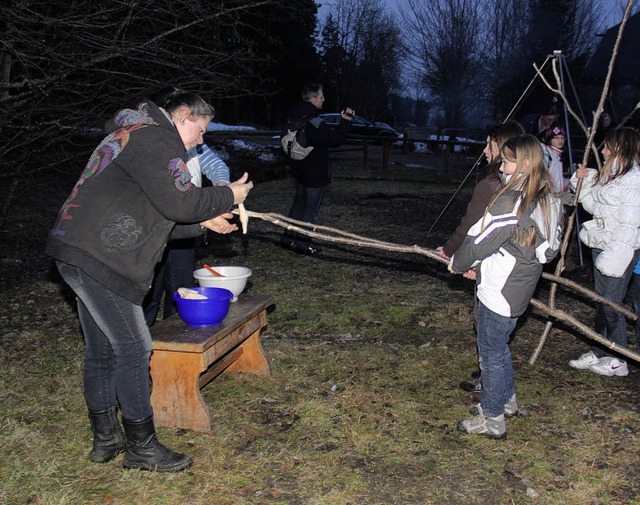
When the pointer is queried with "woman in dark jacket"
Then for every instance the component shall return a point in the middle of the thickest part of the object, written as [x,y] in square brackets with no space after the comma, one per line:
[134,194]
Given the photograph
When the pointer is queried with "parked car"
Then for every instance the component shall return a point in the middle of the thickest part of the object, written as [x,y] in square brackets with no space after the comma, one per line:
[361,127]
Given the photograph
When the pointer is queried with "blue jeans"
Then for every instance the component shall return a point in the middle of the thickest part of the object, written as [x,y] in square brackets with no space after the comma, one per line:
[636,304]
[498,379]
[305,207]
[173,272]
[117,347]
[609,323]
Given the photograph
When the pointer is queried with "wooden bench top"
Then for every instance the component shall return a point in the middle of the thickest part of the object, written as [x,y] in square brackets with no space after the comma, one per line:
[174,335]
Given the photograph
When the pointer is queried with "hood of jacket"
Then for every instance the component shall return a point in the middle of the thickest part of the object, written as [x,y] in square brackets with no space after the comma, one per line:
[549,240]
[147,114]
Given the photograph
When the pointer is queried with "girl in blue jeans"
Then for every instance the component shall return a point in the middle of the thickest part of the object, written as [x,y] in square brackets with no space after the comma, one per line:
[612,197]
[636,298]
[504,252]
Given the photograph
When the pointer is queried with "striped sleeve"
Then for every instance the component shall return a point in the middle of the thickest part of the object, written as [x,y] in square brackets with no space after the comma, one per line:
[212,166]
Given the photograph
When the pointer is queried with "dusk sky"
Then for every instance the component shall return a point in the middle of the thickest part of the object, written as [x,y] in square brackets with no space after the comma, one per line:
[612,8]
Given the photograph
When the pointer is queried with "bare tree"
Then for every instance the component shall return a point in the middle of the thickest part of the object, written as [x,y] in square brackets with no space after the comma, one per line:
[67,66]
[468,52]
[505,22]
[361,52]
[541,27]
[444,49]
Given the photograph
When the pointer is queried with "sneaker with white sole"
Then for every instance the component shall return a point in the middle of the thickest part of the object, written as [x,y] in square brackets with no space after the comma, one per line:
[510,408]
[490,427]
[610,367]
[585,361]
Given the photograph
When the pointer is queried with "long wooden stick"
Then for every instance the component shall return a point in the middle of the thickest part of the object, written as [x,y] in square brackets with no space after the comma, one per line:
[590,294]
[324,233]
[585,330]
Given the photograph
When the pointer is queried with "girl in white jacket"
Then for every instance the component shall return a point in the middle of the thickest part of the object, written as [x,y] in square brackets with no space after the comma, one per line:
[612,196]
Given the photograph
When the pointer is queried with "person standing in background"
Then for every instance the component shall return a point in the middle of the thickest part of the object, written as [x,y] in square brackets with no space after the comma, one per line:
[313,173]
[555,139]
[605,124]
[538,124]
[175,270]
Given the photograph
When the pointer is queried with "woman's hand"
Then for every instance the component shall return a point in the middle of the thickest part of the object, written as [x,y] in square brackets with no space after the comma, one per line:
[241,188]
[220,224]
[582,172]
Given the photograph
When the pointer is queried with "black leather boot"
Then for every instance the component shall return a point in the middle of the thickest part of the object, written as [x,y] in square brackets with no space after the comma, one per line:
[145,452]
[108,438]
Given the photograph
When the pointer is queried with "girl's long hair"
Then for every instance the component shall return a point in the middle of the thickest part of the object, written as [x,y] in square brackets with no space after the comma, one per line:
[531,183]
[624,144]
[500,133]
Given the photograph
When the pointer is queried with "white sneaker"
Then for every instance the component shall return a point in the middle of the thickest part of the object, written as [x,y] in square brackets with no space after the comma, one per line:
[490,427]
[610,367]
[585,361]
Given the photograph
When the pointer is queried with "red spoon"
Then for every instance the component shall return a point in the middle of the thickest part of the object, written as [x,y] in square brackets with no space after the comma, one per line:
[217,274]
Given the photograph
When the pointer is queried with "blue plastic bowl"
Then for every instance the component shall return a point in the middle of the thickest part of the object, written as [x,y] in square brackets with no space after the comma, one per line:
[201,313]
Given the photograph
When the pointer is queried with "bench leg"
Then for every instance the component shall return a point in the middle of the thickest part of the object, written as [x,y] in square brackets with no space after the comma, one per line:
[252,360]
[175,396]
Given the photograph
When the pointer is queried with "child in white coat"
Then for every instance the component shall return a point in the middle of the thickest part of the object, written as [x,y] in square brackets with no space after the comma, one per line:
[554,145]
[612,196]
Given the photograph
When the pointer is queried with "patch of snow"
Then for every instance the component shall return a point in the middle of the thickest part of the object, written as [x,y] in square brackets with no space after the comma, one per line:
[213,127]
[242,145]
[421,147]
[267,157]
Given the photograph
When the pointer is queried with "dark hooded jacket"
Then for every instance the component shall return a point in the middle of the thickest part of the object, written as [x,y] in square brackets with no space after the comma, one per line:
[115,224]
[314,171]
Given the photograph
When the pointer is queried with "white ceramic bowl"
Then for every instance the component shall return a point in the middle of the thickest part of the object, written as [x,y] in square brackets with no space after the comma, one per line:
[235,279]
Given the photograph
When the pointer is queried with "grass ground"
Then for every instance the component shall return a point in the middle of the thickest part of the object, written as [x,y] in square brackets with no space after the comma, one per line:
[367,349]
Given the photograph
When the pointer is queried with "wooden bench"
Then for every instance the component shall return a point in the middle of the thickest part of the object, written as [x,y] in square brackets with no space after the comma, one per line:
[185,359]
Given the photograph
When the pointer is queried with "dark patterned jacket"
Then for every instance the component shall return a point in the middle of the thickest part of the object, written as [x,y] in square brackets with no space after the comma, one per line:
[124,207]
